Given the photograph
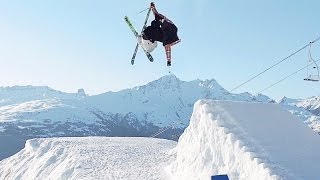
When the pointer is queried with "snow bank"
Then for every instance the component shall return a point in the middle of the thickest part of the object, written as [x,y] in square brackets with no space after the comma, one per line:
[246,141]
[89,158]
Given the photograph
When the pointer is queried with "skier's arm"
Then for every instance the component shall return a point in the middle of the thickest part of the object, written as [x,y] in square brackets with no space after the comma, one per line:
[153,8]
[155,12]
[158,16]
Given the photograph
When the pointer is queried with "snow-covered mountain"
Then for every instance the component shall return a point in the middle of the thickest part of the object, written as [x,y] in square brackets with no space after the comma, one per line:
[31,112]
[311,104]
[20,94]
[166,100]
[159,103]
[305,109]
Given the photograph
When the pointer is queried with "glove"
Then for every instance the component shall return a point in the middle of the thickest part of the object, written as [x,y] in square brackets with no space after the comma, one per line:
[152,5]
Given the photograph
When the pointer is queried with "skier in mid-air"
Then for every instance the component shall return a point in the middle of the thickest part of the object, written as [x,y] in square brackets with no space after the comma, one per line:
[162,30]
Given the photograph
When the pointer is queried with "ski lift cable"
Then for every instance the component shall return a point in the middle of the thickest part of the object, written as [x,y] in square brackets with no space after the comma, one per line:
[312,75]
[164,129]
[284,59]
[311,59]
[288,76]
[174,124]
[143,11]
[160,132]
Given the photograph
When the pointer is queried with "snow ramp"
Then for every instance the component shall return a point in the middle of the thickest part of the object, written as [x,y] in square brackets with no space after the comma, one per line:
[246,141]
[93,158]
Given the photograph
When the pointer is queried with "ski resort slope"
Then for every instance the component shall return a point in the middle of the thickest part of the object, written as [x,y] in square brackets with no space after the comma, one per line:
[246,141]
[90,158]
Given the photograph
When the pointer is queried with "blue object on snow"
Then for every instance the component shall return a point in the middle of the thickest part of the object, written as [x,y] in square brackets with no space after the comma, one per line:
[220,177]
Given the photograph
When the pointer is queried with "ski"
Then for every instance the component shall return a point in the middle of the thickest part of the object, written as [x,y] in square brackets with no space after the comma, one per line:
[144,26]
[137,36]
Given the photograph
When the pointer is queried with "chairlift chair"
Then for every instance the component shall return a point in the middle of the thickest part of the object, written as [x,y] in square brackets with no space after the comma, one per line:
[313,73]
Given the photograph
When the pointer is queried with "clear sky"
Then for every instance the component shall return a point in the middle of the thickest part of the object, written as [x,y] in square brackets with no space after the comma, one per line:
[75,44]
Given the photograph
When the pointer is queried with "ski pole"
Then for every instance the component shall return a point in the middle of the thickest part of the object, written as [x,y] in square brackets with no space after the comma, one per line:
[143,10]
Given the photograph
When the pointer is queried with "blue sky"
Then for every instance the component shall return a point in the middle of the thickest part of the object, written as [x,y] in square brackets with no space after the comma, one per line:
[86,44]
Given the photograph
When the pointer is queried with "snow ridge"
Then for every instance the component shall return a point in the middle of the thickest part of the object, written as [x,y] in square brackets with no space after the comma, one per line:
[245,141]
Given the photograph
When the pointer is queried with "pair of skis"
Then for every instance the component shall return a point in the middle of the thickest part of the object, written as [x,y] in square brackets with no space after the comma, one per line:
[137,36]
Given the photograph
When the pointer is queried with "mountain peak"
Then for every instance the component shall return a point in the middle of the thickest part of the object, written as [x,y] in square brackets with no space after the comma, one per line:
[165,82]
[169,78]
[286,101]
[212,83]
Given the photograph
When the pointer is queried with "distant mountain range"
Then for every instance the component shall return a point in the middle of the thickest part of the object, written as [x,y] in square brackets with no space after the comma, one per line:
[32,111]
[307,110]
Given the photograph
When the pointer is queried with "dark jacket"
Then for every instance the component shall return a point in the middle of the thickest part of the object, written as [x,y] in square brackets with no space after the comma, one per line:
[165,32]
[153,32]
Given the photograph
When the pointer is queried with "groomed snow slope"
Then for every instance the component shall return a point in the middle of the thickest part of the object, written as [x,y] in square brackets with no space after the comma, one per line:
[90,158]
[246,141]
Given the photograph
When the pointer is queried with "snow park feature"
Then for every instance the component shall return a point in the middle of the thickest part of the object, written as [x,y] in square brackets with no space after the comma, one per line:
[246,141]
[104,158]
[225,139]
[167,129]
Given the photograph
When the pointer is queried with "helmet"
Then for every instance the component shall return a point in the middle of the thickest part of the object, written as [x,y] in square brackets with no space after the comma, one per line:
[148,45]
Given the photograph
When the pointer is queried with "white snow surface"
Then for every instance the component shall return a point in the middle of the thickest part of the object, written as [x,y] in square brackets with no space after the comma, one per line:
[90,158]
[246,141]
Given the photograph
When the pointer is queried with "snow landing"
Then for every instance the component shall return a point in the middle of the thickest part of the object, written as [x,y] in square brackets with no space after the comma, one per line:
[90,158]
[246,141]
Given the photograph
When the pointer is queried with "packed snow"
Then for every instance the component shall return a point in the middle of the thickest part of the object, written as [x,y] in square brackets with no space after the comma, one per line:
[246,141]
[90,158]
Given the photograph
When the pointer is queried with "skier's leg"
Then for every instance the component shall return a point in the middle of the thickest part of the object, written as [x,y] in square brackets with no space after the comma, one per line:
[170,35]
[176,42]
[168,54]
